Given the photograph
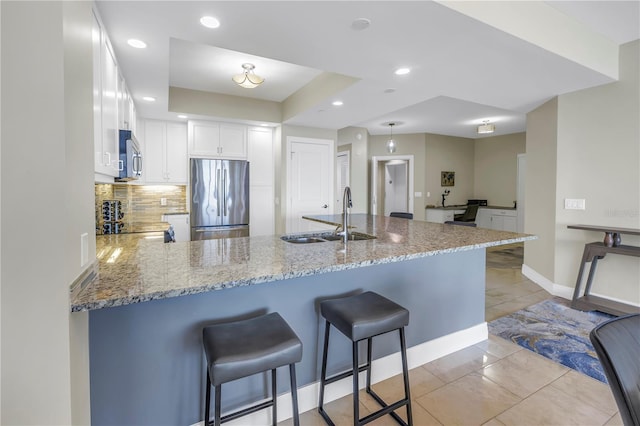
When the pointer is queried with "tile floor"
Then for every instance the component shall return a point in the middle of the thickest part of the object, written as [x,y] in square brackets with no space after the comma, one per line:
[494,382]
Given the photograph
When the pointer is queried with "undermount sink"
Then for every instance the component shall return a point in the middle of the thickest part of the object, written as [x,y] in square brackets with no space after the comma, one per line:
[324,237]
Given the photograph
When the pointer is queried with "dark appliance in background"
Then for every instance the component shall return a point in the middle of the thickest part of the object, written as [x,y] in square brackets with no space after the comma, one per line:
[478,202]
[219,198]
[130,158]
[112,216]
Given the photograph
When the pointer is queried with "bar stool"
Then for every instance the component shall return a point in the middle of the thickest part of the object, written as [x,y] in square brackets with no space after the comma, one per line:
[243,348]
[361,317]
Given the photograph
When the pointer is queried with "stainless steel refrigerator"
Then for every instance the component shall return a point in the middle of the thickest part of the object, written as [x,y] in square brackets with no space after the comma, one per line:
[219,198]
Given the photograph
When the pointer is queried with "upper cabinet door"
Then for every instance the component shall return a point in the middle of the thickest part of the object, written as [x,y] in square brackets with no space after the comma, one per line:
[176,153]
[210,139]
[154,156]
[96,35]
[233,141]
[204,138]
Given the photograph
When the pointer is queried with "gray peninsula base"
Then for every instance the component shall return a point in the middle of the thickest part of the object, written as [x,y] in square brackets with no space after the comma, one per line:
[146,359]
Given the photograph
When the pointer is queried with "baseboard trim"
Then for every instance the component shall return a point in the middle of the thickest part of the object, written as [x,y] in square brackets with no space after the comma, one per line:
[548,285]
[382,369]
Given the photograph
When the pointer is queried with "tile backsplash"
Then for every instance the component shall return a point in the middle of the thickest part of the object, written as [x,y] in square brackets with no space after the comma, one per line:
[141,204]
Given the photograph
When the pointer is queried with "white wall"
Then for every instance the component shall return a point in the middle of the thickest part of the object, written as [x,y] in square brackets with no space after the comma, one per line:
[496,167]
[40,337]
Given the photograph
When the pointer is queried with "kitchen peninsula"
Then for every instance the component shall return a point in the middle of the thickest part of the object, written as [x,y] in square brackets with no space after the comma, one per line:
[146,359]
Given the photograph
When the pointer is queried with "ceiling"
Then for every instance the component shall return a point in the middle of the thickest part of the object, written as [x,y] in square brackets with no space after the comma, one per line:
[463,70]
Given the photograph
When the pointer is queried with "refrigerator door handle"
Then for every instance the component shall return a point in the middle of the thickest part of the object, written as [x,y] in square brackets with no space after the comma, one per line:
[218,191]
[224,192]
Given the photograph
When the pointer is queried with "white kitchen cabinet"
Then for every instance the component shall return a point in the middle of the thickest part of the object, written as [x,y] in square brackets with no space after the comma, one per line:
[261,181]
[126,108]
[498,219]
[165,152]
[105,99]
[441,215]
[217,140]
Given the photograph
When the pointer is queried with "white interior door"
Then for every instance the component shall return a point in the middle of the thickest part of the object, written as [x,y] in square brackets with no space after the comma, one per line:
[310,182]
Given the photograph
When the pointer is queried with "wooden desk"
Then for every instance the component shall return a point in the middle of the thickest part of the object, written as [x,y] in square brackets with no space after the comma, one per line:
[594,252]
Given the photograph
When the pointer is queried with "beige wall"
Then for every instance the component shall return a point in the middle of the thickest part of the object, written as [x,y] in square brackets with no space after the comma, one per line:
[599,160]
[586,145]
[540,187]
[448,153]
[358,180]
[37,271]
[496,167]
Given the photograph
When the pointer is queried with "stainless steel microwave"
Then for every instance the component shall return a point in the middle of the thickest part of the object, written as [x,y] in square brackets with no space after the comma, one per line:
[130,158]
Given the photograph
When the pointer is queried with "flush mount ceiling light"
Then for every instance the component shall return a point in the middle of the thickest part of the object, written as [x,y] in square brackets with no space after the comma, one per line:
[486,127]
[402,71]
[391,144]
[337,103]
[248,79]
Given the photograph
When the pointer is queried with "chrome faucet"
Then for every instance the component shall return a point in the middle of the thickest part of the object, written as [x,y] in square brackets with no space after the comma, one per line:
[346,205]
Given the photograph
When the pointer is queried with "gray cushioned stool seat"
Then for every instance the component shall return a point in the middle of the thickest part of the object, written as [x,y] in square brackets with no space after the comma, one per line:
[364,315]
[243,348]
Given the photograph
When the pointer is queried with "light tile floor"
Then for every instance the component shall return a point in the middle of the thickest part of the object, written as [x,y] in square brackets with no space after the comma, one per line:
[495,382]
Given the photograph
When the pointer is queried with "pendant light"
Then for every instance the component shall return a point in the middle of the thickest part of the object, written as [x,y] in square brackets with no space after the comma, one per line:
[248,79]
[391,144]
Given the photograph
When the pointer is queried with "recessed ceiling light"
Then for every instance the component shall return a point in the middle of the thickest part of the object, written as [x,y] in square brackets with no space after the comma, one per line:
[360,24]
[182,116]
[337,103]
[138,44]
[209,22]
[402,71]
[149,98]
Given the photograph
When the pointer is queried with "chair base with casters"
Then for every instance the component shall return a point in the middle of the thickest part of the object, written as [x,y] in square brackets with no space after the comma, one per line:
[243,348]
[362,317]
[617,343]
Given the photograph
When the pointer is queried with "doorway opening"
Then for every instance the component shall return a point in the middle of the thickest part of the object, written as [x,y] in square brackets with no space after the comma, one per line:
[392,184]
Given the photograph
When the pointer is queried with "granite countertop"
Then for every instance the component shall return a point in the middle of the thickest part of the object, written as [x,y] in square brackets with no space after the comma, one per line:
[147,269]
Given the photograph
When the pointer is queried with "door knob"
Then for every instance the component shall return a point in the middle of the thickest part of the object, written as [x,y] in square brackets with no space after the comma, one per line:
[325,206]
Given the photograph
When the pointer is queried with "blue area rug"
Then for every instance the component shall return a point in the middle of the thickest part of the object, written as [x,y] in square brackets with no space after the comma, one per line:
[555,331]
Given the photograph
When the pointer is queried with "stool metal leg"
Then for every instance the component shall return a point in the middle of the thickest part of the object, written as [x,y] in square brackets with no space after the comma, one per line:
[405,376]
[356,399]
[369,350]
[294,394]
[274,392]
[218,405]
[323,374]
[207,402]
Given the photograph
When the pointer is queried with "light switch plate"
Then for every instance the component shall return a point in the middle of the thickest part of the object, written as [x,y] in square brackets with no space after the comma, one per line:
[574,204]
[84,249]
[417,194]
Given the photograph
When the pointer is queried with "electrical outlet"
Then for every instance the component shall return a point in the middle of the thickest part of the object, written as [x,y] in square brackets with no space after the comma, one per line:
[418,194]
[574,204]
[163,201]
[428,194]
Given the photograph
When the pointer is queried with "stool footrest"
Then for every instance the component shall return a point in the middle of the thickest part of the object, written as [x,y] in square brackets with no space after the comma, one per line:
[245,411]
[386,409]
[347,373]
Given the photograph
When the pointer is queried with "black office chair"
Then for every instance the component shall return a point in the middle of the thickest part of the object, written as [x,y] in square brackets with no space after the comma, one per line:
[469,214]
[401,214]
[617,343]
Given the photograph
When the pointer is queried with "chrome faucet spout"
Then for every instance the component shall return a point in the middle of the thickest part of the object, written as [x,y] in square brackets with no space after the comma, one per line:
[346,205]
